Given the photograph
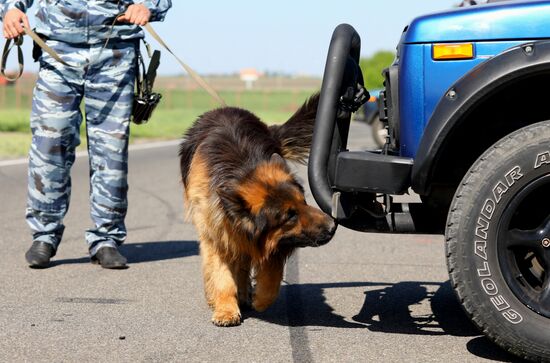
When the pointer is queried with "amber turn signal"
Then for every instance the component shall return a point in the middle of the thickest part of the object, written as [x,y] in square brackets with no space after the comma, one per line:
[453,51]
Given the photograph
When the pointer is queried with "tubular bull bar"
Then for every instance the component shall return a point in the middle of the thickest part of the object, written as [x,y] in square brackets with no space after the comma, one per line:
[345,183]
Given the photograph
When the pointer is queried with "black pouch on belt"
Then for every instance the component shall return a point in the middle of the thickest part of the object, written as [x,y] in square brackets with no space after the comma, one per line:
[145,100]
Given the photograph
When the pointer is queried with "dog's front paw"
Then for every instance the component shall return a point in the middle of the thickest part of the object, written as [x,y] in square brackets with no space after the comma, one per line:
[226,318]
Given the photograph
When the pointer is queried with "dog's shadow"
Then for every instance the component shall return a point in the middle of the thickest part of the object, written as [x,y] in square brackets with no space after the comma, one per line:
[146,252]
[387,307]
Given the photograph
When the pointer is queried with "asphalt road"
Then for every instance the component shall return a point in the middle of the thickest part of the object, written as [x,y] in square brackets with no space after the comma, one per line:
[361,298]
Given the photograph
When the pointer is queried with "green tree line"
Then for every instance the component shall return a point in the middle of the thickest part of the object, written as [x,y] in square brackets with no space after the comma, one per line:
[372,68]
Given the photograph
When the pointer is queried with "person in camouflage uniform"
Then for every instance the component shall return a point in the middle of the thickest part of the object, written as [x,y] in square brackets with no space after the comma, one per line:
[103,77]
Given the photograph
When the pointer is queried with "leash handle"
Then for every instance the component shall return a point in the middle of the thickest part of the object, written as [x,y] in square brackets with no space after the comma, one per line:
[17,42]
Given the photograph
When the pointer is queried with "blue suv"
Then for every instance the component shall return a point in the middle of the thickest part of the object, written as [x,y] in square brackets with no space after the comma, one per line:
[467,104]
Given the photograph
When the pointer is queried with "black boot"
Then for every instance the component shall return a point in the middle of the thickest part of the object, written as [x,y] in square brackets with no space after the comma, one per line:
[109,257]
[38,256]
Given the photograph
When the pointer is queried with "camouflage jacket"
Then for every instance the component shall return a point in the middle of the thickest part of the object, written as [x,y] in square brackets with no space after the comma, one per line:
[83,21]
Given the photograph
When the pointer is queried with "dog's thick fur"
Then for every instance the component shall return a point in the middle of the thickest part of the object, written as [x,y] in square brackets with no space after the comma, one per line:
[248,208]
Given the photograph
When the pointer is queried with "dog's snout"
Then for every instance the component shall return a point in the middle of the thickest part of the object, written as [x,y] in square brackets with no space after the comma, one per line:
[329,232]
[326,232]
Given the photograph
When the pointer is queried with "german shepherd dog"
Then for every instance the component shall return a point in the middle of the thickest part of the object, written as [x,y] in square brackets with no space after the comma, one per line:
[248,208]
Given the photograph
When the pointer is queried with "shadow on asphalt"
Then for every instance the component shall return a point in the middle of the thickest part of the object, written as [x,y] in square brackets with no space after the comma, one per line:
[159,251]
[387,308]
[146,252]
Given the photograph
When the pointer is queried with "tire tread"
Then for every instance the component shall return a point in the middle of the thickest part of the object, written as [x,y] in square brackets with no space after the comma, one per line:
[457,211]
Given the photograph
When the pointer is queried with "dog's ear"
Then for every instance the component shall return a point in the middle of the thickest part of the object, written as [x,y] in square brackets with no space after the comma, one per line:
[277,159]
[232,202]
[239,213]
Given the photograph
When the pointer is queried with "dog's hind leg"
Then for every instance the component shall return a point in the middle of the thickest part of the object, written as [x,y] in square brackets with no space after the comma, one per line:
[220,286]
[269,275]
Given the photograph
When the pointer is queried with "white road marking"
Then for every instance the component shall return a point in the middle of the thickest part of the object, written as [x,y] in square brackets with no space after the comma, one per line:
[145,146]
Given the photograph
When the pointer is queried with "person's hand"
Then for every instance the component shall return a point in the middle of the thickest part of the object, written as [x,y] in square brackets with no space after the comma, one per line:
[136,14]
[12,23]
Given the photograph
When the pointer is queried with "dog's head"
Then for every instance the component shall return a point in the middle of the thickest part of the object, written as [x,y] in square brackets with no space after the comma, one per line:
[270,208]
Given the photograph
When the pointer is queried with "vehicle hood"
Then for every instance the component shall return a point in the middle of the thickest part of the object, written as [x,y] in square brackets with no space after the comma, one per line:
[498,21]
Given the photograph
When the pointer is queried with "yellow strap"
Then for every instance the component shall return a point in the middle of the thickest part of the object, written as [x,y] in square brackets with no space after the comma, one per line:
[45,47]
[188,69]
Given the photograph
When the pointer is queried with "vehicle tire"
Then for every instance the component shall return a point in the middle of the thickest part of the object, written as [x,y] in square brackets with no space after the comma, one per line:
[498,242]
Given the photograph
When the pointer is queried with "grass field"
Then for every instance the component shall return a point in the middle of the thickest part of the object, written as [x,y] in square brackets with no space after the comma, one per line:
[174,115]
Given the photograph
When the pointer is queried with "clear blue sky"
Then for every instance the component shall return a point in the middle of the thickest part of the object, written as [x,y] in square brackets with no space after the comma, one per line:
[288,36]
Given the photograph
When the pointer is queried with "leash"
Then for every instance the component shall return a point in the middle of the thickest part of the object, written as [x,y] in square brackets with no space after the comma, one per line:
[18,42]
[188,69]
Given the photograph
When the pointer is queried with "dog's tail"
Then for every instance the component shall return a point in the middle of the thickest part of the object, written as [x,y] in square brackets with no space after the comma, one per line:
[295,135]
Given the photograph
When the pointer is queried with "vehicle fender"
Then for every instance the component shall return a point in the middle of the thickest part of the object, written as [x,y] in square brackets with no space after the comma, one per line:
[468,92]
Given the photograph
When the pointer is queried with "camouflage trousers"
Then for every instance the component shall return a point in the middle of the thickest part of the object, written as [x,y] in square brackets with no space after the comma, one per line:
[104,81]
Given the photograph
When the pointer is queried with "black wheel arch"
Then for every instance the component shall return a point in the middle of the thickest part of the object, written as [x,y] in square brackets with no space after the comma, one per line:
[457,133]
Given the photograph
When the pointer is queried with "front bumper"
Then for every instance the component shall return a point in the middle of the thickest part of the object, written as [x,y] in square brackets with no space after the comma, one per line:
[342,182]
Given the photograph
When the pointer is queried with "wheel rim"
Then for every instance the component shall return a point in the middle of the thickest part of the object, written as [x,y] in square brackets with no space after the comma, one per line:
[524,245]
